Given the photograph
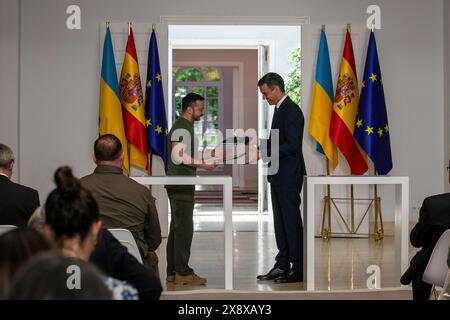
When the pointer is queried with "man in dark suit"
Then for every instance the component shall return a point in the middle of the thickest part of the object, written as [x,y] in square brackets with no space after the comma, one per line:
[434,219]
[17,202]
[286,182]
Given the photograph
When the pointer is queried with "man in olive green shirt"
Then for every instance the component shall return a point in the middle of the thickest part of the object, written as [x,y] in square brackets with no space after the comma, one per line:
[123,202]
[184,161]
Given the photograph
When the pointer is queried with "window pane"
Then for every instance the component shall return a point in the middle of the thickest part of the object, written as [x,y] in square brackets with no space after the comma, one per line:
[174,71]
[189,74]
[198,130]
[199,90]
[211,73]
[180,92]
[212,91]
[213,109]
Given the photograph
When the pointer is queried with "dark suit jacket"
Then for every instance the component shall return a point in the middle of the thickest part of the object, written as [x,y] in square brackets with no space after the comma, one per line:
[289,121]
[17,202]
[434,219]
[115,261]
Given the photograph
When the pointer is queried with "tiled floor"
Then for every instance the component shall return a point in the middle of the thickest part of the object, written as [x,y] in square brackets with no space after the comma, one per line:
[341,263]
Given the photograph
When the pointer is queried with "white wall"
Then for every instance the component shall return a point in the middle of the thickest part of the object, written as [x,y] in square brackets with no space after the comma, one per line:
[9,77]
[447,87]
[60,76]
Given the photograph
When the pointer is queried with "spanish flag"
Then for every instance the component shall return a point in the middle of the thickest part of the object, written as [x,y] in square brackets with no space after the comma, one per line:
[110,110]
[133,106]
[322,104]
[345,108]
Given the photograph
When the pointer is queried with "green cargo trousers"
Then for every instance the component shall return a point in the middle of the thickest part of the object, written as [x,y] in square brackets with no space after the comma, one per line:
[181,231]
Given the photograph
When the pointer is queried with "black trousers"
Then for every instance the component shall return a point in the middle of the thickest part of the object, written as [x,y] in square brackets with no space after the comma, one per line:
[288,226]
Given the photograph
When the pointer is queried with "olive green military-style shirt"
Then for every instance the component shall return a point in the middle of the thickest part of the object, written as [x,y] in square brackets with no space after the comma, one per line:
[182,131]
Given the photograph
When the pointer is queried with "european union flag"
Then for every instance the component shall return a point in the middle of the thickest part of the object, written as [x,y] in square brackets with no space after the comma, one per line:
[371,127]
[155,111]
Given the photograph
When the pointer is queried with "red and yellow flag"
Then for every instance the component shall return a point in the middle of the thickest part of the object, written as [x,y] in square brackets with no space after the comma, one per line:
[133,106]
[345,108]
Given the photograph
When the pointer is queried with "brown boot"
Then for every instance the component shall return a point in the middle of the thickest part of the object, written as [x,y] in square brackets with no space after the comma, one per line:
[190,279]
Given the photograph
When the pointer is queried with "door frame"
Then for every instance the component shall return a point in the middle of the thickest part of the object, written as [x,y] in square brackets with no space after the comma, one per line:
[163,35]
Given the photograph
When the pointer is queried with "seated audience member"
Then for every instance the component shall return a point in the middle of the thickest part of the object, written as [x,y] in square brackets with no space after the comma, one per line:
[72,223]
[17,202]
[114,260]
[17,247]
[434,219]
[123,202]
[50,276]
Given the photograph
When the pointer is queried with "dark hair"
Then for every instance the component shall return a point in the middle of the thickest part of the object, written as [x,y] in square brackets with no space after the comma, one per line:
[47,277]
[17,247]
[272,80]
[189,100]
[107,147]
[70,209]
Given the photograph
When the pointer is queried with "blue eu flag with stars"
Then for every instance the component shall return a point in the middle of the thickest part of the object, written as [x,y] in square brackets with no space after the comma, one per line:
[371,126]
[155,111]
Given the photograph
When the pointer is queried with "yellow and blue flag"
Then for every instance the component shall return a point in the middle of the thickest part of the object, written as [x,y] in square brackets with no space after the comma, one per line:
[110,108]
[322,104]
[155,111]
[371,127]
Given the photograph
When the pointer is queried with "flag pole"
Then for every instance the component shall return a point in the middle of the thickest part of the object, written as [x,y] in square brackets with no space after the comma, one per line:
[153,26]
[379,231]
[129,28]
[326,215]
[323,27]
[352,198]
[107,24]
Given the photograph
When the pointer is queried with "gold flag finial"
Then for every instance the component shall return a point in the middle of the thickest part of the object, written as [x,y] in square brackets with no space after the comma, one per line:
[349,27]
[373,26]
[107,24]
[153,26]
[323,27]
[129,28]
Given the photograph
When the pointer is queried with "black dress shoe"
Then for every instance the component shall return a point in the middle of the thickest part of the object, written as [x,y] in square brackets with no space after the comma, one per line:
[291,276]
[408,276]
[272,274]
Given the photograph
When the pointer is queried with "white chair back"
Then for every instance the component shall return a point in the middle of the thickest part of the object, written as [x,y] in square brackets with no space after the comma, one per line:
[437,268]
[126,238]
[5,228]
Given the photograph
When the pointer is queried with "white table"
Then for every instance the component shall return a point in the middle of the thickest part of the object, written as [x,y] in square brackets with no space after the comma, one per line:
[226,182]
[401,217]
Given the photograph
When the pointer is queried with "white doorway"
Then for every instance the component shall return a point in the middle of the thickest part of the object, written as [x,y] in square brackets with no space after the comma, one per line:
[271,54]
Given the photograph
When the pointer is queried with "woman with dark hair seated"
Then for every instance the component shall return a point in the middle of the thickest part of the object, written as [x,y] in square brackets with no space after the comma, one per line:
[17,247]
[72,224]
[50,276]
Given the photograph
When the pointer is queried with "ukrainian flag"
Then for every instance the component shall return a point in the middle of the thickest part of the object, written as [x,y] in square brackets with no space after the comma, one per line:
[322,104]
[110,109]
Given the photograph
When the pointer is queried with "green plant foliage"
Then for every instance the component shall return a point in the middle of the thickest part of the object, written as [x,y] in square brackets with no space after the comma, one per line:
[293,83]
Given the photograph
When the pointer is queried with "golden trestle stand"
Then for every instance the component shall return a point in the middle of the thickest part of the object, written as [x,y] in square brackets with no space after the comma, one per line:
[378,230]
